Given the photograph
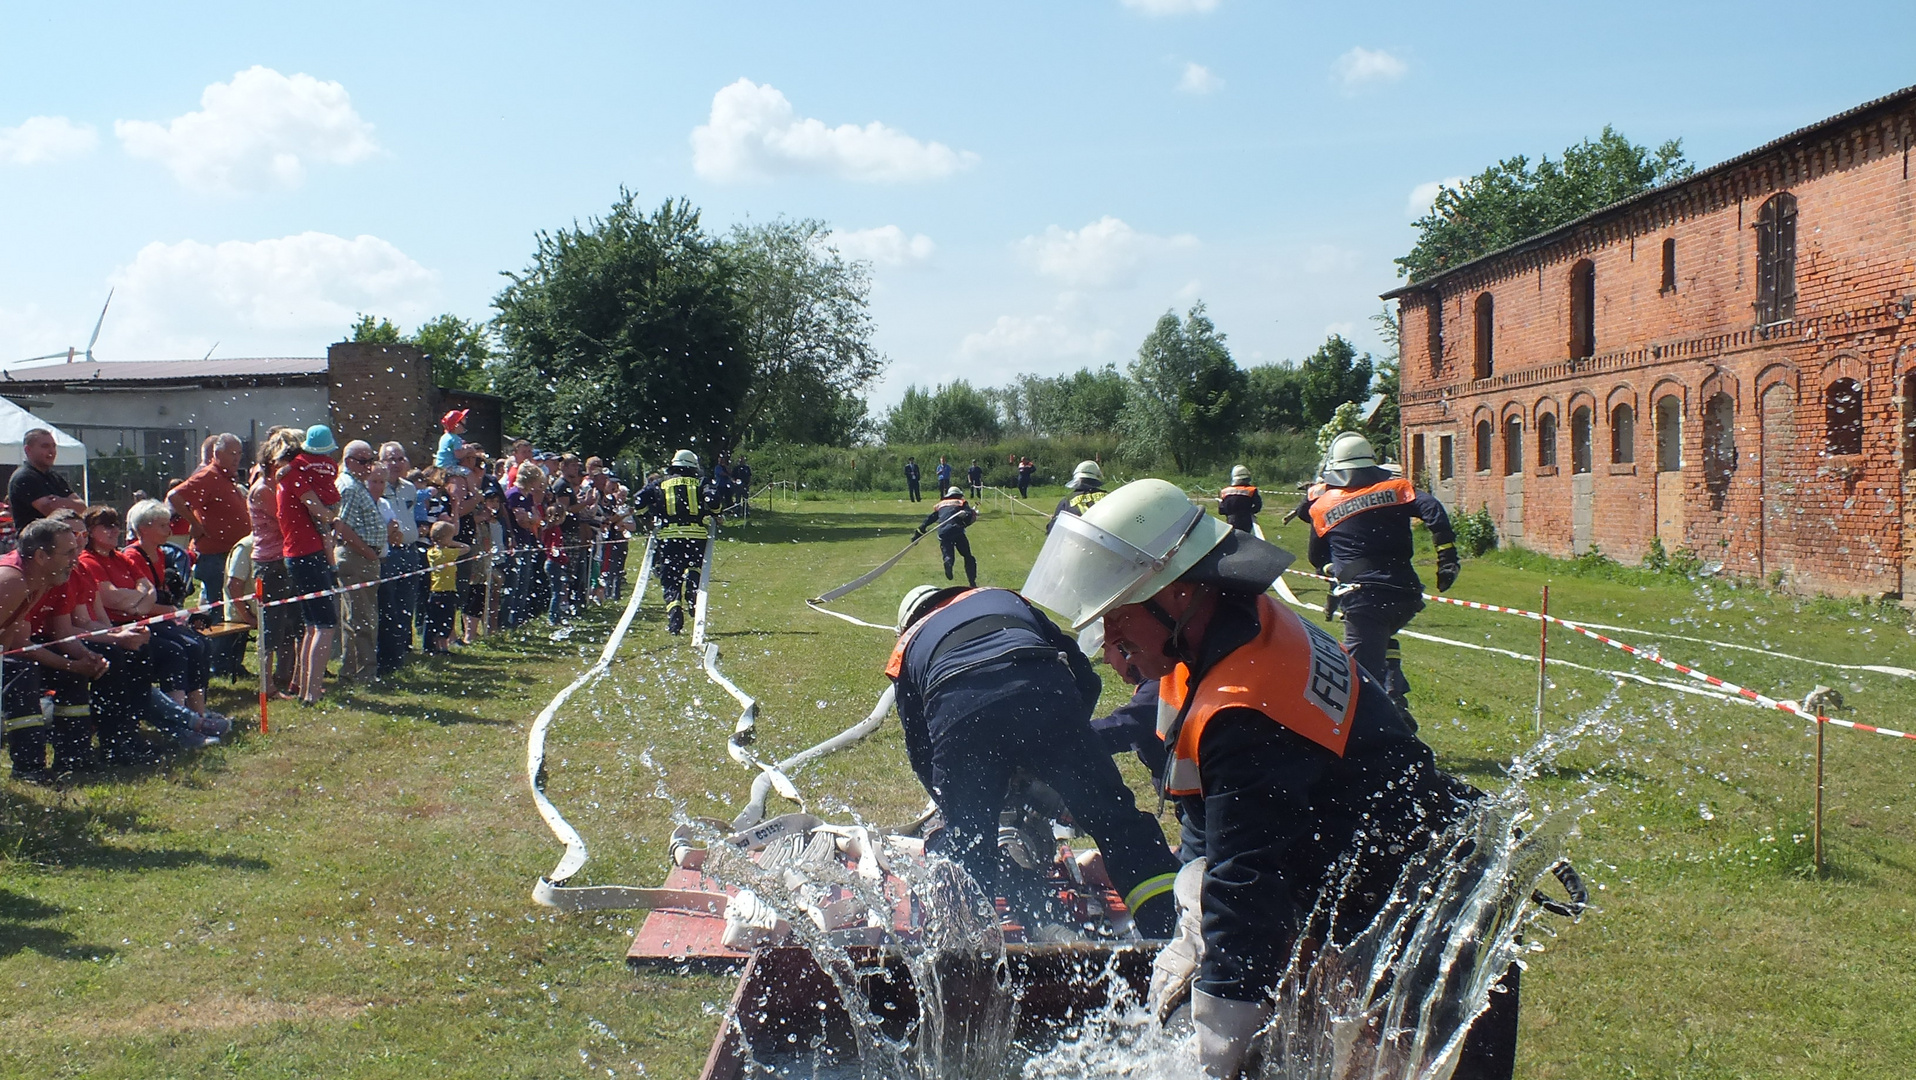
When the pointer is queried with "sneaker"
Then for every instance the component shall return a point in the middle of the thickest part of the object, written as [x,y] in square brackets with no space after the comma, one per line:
[212,723]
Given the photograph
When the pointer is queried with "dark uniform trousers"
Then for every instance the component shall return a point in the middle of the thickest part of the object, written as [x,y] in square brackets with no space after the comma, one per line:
[1373,614]
[955,544]
[679,560]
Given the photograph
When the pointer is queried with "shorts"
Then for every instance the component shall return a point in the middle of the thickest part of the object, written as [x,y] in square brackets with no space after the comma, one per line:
[282,621]
[311,574]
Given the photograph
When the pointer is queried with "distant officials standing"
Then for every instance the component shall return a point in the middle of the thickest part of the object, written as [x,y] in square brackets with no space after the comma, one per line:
[976,476]
[944,472]
[1025,468]
[911,478]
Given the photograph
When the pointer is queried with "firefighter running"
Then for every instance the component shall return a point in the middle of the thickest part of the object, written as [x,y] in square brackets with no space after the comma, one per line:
[680,506]
[1086,488]
[953,515]
[1360,535]
[1240,503]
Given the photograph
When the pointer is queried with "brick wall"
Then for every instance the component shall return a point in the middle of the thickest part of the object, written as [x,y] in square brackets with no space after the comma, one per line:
[1769,498]
[382,393]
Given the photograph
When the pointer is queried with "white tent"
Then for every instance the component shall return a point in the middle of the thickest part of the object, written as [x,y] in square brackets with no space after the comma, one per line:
[15,422]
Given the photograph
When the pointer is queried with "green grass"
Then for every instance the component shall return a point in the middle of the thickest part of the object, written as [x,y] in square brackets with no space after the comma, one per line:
[349,895]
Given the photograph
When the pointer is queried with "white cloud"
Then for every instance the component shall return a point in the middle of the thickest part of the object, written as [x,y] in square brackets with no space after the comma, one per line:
[292,294]
[1424,195]
[1363,67]
[259,131]
[754,133]
[42,139]
[1171,7]
[1199,79]
[1105,254]
[1324,259]
[886,245]
[1035,339]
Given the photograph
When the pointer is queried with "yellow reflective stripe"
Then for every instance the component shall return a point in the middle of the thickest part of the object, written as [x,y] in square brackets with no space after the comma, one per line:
[73,710]
[1148,890]
[21,723]
[1445,547]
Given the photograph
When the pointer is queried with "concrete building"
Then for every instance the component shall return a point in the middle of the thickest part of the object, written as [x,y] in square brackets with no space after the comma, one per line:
[145,420]
[1725,365]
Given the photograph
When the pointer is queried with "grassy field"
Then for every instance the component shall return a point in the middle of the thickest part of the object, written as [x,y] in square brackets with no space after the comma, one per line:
[349,896]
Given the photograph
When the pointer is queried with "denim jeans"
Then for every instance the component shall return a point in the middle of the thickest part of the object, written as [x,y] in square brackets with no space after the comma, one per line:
[396,600]
[559,579]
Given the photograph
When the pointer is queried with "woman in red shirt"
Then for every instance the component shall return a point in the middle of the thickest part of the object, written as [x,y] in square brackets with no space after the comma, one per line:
[181,656]
[308,491]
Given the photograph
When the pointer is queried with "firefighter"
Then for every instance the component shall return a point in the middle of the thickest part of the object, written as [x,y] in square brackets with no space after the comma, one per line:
[1082,493]
[1288,764]
[680,506]
[1360,517]
[1239,504]
[953,515]
[988,687]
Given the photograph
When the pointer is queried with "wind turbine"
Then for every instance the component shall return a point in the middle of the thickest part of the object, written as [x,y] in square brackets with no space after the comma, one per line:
[70,350]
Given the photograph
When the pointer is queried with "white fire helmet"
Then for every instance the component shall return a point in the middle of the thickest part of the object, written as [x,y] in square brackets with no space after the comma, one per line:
[915,598]
[1086,470]
[1240,475]
[685,459]
[1349,452]
[1134,542]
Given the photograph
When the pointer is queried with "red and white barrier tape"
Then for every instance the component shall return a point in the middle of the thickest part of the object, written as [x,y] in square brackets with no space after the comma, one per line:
[1644,654]
[183,614]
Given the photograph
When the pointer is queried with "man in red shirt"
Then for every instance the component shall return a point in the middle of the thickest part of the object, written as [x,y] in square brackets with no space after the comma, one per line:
[308,492]
[39,566]
[213,504]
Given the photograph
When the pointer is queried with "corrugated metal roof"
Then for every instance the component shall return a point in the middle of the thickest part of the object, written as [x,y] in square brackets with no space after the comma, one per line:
[1799,135]
[169,371]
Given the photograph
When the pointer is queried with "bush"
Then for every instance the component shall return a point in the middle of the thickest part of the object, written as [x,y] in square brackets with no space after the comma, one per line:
[1476,532]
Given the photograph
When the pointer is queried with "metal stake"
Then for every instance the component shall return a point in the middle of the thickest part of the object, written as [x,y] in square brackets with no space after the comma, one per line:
[1543,654]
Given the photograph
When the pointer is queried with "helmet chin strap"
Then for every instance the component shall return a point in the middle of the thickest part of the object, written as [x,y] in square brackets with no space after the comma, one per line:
[1175,647]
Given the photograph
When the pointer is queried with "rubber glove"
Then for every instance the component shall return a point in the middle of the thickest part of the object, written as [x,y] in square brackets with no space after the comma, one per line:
[1226,1031]
[1447,567]
[1176,966]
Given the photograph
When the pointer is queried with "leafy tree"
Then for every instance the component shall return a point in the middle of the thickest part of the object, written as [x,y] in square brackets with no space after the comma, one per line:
[625,335]
[1085,402]
[1274,398]
[1187,393]
[1510,200]
[461,351]
[808,330]
[1331,376]
[954,412]
[1384,423]
[382,332]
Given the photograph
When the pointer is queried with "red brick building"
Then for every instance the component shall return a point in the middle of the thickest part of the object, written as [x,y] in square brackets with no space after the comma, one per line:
[1727,364]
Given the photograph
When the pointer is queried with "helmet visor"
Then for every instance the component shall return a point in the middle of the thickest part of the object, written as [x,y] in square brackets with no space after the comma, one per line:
[1085,570]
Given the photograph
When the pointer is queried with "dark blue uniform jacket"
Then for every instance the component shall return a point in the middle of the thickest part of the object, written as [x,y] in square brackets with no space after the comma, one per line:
[1374,547]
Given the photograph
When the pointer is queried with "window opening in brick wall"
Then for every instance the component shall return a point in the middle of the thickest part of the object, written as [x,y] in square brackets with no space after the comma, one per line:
[1547,441]
[1669,433]
[1776,260]
[1483,446]
[1446,457]
[1583,309]
[1434,334]
[1580,439]
[1417,476]
[1909,421]
[1486,320]
[1623,435]
[1669,266]
[1719,447]
[1843,417]
[1513,446]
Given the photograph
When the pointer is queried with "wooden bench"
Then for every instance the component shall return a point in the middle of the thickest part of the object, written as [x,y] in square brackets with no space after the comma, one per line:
[226,628]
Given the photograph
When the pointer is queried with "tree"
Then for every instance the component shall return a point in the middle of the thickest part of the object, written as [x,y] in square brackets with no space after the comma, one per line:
[807,325]
[625,335]
[461,352]
[1510,201]
[1331,376]
[382,332]
[954,412]
[1274,398]
[1384,423]
[1186,392]
[1085,402]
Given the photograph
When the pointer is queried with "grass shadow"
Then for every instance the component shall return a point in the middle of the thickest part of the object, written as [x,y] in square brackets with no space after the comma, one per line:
[19,932]
[70,832]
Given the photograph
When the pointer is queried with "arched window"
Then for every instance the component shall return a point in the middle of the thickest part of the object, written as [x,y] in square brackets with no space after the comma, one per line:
[1486,321]
[1776,260]
[1547,441]
[1669,433]
[1583,309]
[1719,446]
[1623,435]
[1513,445]
[1483,446]
[1580,439]
[1843,417]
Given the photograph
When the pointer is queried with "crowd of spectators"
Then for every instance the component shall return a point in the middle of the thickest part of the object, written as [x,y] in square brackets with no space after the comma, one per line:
[446,553]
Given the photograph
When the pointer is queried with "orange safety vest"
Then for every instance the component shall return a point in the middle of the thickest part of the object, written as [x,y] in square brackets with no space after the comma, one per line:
[1339,504]
[895,666]
[1248,491]
[1292,672]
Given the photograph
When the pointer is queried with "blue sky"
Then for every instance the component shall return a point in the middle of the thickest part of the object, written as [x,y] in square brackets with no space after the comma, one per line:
[1034,184]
